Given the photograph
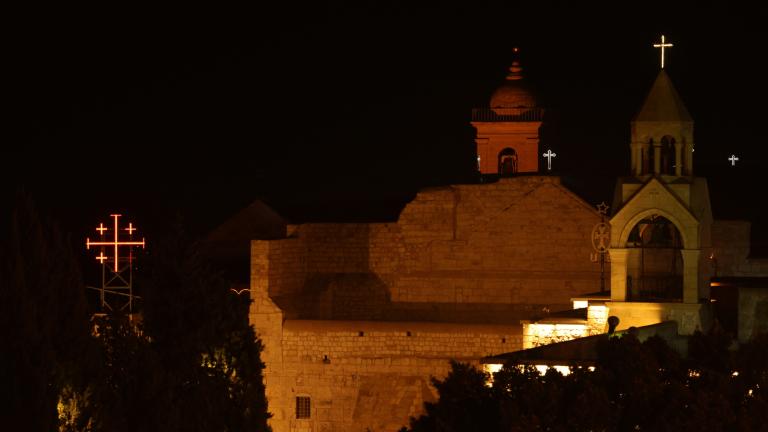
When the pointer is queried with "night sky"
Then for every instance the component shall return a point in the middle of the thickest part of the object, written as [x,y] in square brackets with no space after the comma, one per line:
[342,111]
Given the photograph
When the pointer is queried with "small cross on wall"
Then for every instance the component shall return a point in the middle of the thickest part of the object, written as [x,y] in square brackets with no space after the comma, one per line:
[549,155]
[733,160]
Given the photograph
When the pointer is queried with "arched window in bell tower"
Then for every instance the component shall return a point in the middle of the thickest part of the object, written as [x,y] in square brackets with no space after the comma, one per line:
[507,162]
[668,161]
[648,154]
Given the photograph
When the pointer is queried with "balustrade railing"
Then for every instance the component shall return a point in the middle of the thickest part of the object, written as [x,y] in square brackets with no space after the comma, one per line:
[644,288]
[508,114]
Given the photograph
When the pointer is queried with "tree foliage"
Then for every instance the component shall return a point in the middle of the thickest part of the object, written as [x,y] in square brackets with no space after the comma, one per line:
[191,364]
[199,329]
[43,321]
[635,386]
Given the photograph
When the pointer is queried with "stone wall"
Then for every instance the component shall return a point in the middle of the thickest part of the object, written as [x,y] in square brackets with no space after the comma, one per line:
[370,375]
[597,318]
[753,312]
[523,240]
[730,246]
[468,255]
[690,317]
[284,264]
[731,250]
[536,334]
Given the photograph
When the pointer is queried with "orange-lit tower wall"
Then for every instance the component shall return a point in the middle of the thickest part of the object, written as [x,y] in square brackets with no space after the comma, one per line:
[508,130]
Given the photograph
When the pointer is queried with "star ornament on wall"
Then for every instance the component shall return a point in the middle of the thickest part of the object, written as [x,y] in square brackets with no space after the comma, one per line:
[602,208]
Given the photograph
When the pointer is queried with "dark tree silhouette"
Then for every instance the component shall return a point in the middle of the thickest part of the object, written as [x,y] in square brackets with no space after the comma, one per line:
[635,386]
[200,331]
[193,364]
[465,403]
[44,330]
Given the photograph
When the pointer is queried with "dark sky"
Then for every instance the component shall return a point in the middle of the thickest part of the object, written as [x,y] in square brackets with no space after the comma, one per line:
[342,110]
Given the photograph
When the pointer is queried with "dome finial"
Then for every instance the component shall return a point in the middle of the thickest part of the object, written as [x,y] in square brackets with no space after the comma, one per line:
[514,93]
[515,71]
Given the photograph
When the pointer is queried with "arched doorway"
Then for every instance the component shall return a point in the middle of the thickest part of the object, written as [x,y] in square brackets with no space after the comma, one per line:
[655,264]
[507,162]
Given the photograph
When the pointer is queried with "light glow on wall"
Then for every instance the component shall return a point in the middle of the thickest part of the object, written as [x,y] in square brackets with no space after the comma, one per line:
[490,369]
[537,334]
[564,370]
[597,318]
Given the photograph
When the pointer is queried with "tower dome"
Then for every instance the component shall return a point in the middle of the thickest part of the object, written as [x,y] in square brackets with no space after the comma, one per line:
[514,93]
[508,130]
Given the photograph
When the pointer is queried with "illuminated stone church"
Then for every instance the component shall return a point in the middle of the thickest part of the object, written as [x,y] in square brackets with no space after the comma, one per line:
[357,317]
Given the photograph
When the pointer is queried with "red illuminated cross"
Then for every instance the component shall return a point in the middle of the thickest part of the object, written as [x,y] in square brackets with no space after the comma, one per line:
[101,228]
[116,243]
[101,258]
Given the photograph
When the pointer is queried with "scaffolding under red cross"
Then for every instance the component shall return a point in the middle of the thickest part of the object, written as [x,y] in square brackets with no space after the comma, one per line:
[115,244]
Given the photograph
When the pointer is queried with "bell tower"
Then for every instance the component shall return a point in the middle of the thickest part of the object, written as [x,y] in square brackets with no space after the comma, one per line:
[662,133]
[661,220]
[508,130]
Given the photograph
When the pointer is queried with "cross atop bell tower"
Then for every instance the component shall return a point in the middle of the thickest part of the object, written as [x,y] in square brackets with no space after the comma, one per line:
[662,131]
[662,45]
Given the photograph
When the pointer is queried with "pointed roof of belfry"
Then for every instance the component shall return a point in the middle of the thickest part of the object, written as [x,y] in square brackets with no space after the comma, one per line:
[663,103]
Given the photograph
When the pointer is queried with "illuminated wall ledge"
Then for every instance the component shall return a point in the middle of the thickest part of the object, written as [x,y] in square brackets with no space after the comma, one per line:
[598,298]
[590,319]
[688,316]
[580,352]
[555,329]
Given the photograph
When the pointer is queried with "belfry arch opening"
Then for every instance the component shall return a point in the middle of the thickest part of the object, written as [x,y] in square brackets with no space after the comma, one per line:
[655,262]
[648,158]
[507,162]
[668,161]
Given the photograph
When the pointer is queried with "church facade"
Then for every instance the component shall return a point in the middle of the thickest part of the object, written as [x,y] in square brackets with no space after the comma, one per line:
[357,318]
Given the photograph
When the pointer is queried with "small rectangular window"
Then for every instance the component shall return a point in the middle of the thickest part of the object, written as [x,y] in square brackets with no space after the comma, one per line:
[302,407]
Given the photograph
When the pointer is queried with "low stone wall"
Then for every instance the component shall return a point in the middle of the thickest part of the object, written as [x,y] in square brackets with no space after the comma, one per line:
[545,333]
[362,375]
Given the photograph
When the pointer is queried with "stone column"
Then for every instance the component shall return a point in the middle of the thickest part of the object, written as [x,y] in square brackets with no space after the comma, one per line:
[639,159]
[656,159]
[618,274]
[690,275]
[646,157]
[678,158]
[689,159]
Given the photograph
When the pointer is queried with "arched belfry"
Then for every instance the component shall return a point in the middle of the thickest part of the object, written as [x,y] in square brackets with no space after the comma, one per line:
[662,133]
[508,129]
[661,220]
